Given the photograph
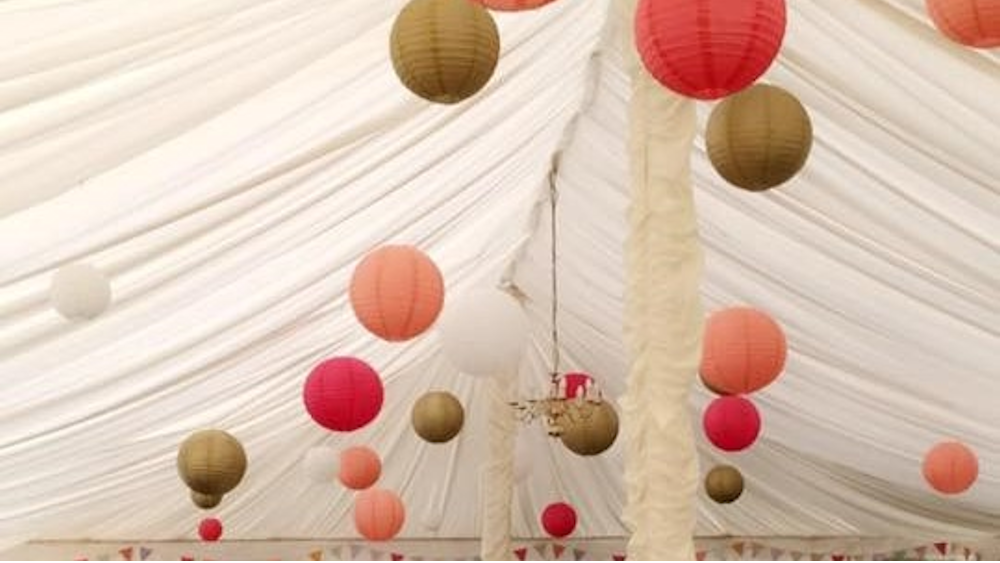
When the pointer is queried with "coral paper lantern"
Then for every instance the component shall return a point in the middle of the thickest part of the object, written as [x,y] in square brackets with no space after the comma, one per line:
[731,423]
[211,462]
[559,519]
[397,292]
[484,333]
[974,23]
[378,514]
[743,350]
[708,49]
[759,138]
[204,501]
[321,464]
[79,291]
[724,484]
[444,50]
[513,5]
[437,417]
[593,433]
[343,394]
[360,467]
[210,529]
[950,467]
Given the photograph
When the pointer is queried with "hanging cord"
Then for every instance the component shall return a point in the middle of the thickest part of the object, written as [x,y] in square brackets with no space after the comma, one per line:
[553,198]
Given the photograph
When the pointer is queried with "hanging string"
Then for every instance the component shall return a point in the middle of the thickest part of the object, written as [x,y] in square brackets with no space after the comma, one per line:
[553,197]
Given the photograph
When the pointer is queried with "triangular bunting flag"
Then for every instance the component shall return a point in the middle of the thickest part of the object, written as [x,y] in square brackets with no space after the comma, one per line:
[187,558]
[558,550]
[144,553]
[738,548]
[521,553]
[942,547]
[397,556]
[796,555]
[618,557]
[80,558]
[776,553]
[579,554]
[375,555]
[316,555]
[355,550]
[700,556]
[920,551]
[815,556]
[126,553]
[541,548]
[837,557]
[967,552]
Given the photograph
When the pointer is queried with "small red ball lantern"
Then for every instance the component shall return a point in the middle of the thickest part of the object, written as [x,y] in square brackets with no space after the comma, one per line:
[378,514]
[397,292]
[708,49]
[743,350]
[974,23]
[559,519]
[951,467]
[576,383]
[360,468]
[343,394]
[513,5]
[210,529]
[731,423]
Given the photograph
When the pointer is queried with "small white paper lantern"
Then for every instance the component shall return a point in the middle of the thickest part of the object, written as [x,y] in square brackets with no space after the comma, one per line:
[484,333]
[79,291]
[321,464]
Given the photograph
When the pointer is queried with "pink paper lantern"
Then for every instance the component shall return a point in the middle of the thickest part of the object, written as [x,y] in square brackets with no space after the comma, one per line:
[974,23]
[743,350]
[397,292]
[513,5]
[378,514]
[951,467]
[731,423]
[343,394]
[559,519]
[708,49]
[576,383]
[360,468]
[210,529]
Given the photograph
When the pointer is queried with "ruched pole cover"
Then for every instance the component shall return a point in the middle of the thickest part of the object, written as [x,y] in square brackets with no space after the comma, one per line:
[497,478]
[663,318]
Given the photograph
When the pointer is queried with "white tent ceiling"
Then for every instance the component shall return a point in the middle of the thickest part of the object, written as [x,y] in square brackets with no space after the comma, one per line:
[229,162]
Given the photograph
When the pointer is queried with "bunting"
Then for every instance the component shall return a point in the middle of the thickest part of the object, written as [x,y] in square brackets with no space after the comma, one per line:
[941,547]
[618,557]
[126,553]
[316,555]
[144,553]
[521,553]
[397,557]
[558,550]
[776,553]
[578,554]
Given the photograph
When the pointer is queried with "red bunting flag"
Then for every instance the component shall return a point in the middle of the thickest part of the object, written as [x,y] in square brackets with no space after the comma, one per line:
[738,548]
[967,553]
[187,558]
[700,555]
[558,550]
[126,553]
[397,556]
[942,547]
[618,557]
[521,553]
[837,557]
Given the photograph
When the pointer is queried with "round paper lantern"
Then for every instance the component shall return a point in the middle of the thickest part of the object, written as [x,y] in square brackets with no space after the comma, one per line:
[360,468]
[378,514]
[202,500]
[724,484]
[79,291]
[591,434]
[211,462]
[210,529]
[708,49]
[974,23]
[444,50]
[708,385]
[731,423]
[759,138]
[951,467]
[397,292]
[343,394]
[437,417]
[743,350]
[559,519]
[321,464]
[513,5]
[484,333]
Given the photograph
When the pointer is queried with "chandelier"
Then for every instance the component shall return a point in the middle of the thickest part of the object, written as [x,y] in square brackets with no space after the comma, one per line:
[566,403]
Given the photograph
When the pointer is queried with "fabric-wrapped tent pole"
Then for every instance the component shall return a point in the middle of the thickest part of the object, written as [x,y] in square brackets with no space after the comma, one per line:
[497,479]
[663,317]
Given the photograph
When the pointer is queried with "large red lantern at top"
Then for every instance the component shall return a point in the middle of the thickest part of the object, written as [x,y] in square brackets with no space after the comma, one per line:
[975,23]
[708,49]
[343,394]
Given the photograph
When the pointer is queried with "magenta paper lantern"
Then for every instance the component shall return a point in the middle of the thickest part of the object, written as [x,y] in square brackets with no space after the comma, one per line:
[210,529]
[343,394]
[708,49]
[576,383]
[731,423]
[559,519]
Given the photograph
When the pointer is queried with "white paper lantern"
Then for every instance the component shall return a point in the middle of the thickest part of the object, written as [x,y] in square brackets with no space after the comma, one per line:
[79,291]
[484,333]
[321,464]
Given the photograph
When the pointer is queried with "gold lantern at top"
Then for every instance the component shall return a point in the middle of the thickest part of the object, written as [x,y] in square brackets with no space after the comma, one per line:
[444,50]
[437,417]
[211,462]
[758,138]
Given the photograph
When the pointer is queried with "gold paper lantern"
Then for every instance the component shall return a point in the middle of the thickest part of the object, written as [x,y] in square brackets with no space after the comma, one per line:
[437,417]
[759,138]
[211,462]
[592,431]
[444,50]
[202,500]
[724,484]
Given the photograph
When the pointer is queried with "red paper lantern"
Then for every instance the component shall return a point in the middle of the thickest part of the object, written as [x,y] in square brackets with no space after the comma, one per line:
[559,519]
[576,383]
[708,49]
[210,529]
[513,5]
[951,467]
[360,467]
[343,394]
[974,23]
[731,423]
[378,514]
[397,292]
[743,350]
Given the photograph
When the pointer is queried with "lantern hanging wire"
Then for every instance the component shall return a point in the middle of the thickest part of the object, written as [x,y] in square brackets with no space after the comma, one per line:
[553,256]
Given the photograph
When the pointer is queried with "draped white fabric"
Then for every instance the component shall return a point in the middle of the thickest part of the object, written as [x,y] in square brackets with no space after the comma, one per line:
[228,162]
